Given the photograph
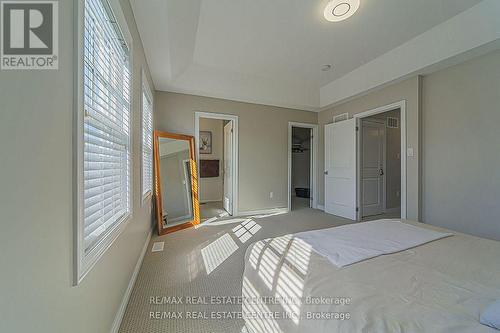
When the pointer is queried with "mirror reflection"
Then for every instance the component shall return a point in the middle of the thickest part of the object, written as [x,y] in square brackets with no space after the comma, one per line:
[175,177]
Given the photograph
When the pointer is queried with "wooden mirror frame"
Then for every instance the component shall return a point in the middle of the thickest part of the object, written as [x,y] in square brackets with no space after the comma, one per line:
[157,182]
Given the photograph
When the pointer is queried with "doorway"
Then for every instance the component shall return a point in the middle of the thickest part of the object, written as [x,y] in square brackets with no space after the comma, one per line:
[227,197]
[217,150]
[302,148]
[301,167]
[360,191]
[380,171]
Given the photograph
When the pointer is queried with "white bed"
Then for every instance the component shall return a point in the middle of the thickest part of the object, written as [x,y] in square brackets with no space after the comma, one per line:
[439,287]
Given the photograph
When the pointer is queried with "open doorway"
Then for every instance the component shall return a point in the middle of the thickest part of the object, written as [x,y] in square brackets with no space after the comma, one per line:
[381,144]
[380,165]
[216,147]
[358,191]
[301,165]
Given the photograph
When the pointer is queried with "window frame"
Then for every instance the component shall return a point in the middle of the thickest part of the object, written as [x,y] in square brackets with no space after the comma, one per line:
[84,262]
[146,90]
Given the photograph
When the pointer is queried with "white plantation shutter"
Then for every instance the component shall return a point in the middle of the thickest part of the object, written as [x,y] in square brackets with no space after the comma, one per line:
[106,124]
[147,142]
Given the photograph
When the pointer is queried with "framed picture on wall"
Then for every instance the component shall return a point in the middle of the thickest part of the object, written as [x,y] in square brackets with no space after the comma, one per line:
[205,142]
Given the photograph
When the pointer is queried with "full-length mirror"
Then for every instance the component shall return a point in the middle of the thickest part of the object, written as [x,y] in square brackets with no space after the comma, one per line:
[176,184]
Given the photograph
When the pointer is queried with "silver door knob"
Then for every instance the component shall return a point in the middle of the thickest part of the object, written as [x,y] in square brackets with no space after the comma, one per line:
[326,172]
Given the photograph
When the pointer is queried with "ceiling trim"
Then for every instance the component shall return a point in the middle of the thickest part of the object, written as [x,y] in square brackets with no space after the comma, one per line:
[234,98]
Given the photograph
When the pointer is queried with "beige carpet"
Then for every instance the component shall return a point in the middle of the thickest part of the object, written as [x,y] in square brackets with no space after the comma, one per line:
[300,203]
[205,262]
[211,209]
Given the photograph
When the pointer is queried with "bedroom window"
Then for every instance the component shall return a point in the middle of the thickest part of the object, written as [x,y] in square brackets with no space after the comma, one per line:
[104,139]
[147,139]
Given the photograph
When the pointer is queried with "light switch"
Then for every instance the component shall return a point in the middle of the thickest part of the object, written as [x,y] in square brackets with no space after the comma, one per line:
[410,152]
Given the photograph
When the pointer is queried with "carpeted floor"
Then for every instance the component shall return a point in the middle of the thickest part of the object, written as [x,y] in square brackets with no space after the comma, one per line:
[211,209]
[204,262]
[300,203]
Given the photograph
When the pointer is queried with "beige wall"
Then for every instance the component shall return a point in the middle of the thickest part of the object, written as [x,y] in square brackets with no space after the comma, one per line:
[36,205]
[262,141]
[211,189]
[461,159]
[406,90]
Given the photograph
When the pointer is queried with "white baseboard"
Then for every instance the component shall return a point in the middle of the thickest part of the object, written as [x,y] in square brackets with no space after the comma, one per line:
[320,207]
[121,310]
[264,211]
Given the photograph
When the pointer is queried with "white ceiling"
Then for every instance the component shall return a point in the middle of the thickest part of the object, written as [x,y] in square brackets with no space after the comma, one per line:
[272,51]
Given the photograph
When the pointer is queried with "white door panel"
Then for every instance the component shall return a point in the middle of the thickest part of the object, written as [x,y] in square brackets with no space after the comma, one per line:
[340,169]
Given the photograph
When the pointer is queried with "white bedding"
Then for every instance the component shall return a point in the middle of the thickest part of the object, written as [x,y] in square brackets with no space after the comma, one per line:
[438,287]
[356,242]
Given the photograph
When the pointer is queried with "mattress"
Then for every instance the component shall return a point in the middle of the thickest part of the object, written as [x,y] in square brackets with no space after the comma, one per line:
[441,287]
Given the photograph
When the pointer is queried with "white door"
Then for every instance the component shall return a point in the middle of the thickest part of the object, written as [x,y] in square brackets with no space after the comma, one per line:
[228,167]
[340,169]
[372,167]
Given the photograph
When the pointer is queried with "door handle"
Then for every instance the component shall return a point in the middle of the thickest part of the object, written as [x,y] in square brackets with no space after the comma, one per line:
[381,172]
[326,172]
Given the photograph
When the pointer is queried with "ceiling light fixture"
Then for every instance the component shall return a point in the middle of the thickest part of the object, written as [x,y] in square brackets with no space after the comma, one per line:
[339,10]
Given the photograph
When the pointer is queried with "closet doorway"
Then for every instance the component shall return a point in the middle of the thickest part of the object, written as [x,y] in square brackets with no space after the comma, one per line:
[302,148]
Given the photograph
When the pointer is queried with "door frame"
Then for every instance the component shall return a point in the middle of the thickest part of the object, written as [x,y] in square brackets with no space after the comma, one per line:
[220,116]
[401,105]
[230,208]
[384,165]
[313,166]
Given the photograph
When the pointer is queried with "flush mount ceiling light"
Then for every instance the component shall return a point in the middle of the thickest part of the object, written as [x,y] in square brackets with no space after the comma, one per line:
[339,10]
